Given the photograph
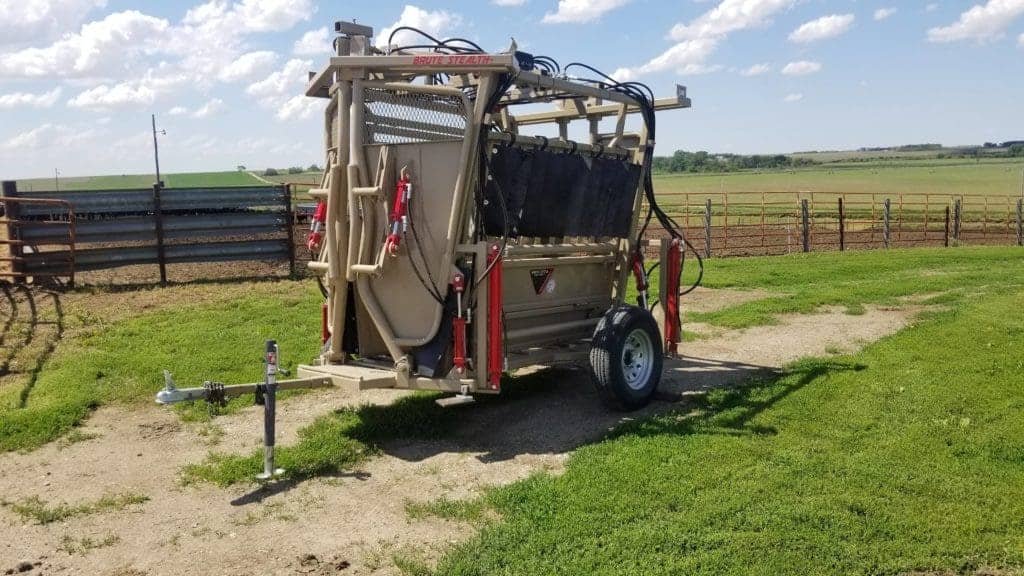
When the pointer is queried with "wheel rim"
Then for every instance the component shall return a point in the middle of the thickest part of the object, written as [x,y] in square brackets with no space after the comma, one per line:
[637,359]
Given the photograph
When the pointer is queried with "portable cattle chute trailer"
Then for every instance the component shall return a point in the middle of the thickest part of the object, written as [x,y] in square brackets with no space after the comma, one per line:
[452,248]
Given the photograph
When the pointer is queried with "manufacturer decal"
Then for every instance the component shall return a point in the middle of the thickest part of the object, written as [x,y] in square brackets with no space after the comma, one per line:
[542,280]
[453,60]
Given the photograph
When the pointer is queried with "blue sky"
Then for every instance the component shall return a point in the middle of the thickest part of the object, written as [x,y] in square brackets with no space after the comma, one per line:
[79,78]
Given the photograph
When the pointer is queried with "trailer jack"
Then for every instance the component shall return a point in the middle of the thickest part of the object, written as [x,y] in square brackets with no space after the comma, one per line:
[265,394]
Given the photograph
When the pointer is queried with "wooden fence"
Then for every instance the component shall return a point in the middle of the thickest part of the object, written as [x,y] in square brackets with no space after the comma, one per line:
[765,223]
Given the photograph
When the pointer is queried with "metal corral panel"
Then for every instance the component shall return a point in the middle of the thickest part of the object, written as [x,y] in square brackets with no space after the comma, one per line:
[222,199]
[191,224]
[99,202]
[220,251]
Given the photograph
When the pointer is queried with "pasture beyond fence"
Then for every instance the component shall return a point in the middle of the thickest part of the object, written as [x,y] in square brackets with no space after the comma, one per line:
[57,234]
[766,223]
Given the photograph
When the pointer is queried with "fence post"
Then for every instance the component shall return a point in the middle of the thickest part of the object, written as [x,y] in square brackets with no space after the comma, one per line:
[805,224]
[290,223]
[886,215]
[1020,222]
[842,226]
[945,236]
[10,188]
[957,215]
[158,217]
[707,228]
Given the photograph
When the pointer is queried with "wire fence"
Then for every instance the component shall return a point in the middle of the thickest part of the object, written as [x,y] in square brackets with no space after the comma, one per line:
[766,223]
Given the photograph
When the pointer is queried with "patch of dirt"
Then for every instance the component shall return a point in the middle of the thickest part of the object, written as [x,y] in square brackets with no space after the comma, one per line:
[355,522]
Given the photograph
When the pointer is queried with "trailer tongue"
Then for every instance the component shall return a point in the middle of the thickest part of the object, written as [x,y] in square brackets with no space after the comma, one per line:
[451,247]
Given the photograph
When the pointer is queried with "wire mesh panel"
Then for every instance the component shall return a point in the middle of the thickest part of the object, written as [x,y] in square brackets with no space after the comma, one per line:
[396,117]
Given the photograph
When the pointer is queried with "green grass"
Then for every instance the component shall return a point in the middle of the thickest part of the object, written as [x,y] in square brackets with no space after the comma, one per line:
[123,361]
[805,282]
[35,509]
[333,443]
[988,177]
[345,437]
[128,181]
[906,457]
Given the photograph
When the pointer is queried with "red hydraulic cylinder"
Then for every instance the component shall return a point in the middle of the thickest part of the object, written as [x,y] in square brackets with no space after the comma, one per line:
[672,269]
[459,326]
[495,355]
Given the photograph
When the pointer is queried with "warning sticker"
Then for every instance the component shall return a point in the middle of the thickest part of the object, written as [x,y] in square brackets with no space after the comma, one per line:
[542,280]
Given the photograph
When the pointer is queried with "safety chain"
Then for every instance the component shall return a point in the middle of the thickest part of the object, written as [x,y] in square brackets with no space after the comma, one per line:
[215,393]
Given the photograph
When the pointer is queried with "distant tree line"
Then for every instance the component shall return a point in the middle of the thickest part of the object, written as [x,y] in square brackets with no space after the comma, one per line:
[683,161]
[292,170]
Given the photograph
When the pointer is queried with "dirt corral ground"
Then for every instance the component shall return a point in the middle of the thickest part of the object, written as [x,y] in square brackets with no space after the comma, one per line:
[354,523]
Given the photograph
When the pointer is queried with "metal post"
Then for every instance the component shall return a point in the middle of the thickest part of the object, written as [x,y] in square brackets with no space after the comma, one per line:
[56,180]
[805,222]
[290,222]
[707,228]
[842,226]
[158,217]
[156,150]
[1020,221]
[957,215]
[945,236]
[10,189]
[886,215]
[269,395]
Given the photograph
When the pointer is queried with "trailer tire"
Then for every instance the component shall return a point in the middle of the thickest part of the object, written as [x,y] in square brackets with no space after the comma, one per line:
[626,357]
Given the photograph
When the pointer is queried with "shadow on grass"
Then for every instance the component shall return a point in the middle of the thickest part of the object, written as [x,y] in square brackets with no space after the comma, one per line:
[24,310]
[550,411]
[731,411]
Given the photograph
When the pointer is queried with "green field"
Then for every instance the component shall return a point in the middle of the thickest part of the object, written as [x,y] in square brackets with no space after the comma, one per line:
[987,177]
[130,181]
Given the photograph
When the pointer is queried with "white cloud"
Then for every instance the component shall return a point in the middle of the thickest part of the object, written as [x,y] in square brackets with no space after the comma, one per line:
[822,28]
[730,16]
[1020,41]
[105,96]
[49,135]
[698,40]
[27,20]
[177,111]
[299,108]
[314,43]
[508,3]
[435,23]
[101,47]
[982,23]
[283,81]
[791,98]
[756,70]
[801,68]
[579,11]
[211,107]
[884,13]
[28,99]
[212,36]
[250,15]
[931,7]
[282,92]
[247,65]
[687,57]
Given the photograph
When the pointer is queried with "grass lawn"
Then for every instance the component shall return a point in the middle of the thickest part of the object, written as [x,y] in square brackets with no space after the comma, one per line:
[905,458]
[124,361]
[128,181]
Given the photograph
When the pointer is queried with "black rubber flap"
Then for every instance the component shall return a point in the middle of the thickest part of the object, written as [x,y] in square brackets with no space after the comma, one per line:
[553,194]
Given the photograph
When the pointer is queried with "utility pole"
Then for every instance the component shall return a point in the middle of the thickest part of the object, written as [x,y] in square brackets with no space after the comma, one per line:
[156,151]
[56,180]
